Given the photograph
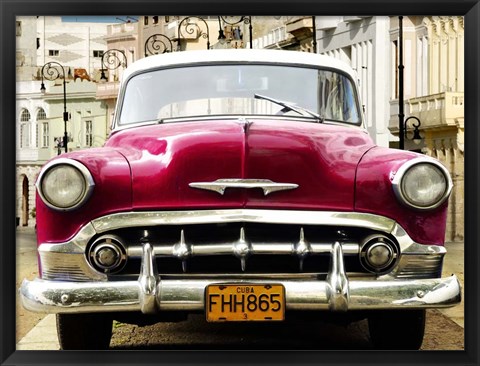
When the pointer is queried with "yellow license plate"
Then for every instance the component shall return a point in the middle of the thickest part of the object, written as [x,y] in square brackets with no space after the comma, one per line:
[241,302]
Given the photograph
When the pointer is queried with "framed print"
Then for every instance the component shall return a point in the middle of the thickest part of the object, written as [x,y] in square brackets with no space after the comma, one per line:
[155,220]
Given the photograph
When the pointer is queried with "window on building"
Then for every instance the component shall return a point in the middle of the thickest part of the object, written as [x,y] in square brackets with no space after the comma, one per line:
[145,20]
[45,134]
[53,52]
[25,116]
[167,19]
[25,128]
[97,53]
[155,19]
[41,115]
[19,29]
[88,133]
[38,43]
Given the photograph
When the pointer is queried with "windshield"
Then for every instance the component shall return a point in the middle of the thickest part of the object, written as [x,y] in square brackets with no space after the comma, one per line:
[234,89]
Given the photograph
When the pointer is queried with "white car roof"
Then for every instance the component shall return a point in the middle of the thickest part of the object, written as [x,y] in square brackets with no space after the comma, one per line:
[241,55]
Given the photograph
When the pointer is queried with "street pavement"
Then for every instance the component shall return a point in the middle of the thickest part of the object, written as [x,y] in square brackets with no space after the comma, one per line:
[44,335]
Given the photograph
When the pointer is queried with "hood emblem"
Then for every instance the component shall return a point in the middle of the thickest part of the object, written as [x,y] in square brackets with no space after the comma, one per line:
[266,185]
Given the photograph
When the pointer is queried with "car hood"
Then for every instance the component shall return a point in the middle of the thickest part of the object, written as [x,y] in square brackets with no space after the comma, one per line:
[167,159]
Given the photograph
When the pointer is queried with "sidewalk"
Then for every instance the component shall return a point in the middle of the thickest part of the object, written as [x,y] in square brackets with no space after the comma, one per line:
[44,335]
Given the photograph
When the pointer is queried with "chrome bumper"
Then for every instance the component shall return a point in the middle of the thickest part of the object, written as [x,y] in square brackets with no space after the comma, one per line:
[152,294]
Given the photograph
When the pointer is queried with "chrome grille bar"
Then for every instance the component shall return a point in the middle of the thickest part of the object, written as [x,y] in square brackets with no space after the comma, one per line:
[160,250]
[242,248]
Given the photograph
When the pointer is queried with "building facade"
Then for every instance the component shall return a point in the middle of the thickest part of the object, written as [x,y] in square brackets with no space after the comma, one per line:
[75,50]
[434,93]
[363,43]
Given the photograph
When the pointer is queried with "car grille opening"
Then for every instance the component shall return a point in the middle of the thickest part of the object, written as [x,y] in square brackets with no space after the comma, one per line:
[241,248]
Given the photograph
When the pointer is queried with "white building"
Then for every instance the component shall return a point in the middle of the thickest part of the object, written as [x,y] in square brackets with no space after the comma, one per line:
[364,43]
[434,93]
[78,48]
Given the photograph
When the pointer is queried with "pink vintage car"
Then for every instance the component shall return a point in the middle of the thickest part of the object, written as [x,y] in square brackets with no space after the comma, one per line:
[240,184]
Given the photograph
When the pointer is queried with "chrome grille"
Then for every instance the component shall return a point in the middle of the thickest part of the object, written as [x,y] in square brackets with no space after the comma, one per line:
[241,248]
[280,243]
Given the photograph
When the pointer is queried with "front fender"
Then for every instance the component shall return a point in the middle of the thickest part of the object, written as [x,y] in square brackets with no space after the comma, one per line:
[374,194]
[112,192]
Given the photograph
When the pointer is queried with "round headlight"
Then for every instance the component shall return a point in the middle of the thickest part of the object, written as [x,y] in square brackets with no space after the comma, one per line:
[422,184]
[64,184]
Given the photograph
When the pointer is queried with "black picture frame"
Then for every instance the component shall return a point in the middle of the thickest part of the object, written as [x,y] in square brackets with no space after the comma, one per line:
[9,9]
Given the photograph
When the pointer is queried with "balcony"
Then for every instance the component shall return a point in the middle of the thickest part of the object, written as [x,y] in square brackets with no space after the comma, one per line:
[434,111]
[108,90]
[301,28]
[27,154]
[116,29]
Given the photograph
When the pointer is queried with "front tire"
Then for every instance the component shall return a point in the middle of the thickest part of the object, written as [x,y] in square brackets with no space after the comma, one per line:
[397,329]
[91,331]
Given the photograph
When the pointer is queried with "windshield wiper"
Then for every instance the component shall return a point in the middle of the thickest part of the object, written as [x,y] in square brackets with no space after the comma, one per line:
[291,107]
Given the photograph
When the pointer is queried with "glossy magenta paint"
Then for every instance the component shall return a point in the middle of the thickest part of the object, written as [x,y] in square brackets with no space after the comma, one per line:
[317,157]
[149,168]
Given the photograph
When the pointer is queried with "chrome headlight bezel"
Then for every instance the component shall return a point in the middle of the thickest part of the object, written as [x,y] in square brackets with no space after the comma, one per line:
[400,174]
[87,182]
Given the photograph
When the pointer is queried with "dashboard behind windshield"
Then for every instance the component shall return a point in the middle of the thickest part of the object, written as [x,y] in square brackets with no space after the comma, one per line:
[229,89]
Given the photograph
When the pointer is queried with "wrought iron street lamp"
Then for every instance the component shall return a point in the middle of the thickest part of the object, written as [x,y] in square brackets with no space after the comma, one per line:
[191,27]
[416,138]
[111,60]
[157,44]
[51,72]
[402,130]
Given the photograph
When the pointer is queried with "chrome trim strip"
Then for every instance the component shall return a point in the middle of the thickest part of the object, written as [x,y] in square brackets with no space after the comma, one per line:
[293,217]
[240,248]
[220,185]
[188,294]
[70,253]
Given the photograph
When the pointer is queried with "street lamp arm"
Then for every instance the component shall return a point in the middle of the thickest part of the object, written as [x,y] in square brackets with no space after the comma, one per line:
[112,59]
[416,131]
[51,73]
[158,43]
[191,27]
